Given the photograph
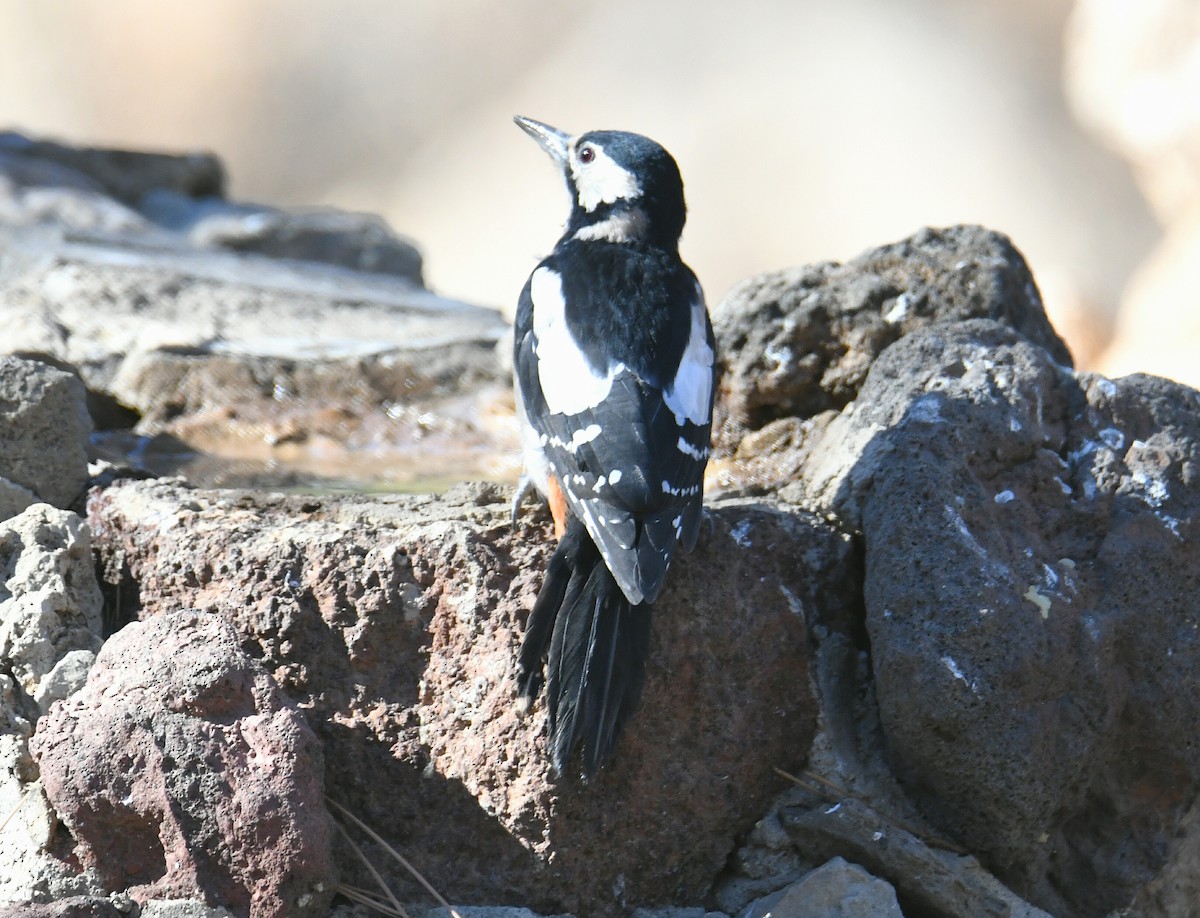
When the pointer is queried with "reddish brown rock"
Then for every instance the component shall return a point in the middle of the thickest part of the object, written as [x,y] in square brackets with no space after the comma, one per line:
[181,772]
[396,622]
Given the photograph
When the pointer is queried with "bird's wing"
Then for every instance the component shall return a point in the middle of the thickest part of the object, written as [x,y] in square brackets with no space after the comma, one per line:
[629,453]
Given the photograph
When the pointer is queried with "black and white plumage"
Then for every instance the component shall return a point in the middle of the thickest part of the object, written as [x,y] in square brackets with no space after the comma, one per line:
[613,371]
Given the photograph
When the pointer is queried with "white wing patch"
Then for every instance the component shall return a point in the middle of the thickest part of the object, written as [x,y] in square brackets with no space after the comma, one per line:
[689,396]
[602,181]
[578,438]
[569,384]
[688,450]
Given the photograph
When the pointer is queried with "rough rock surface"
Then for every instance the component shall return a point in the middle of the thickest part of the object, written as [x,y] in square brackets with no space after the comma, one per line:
[876,828]
[1031,573]
[49,633]
[30,870]
[796,345]
[836,889]
[67,907]
[240,330]
[50,602]
[181,908]
[395,622]
[182,772]
[45,424]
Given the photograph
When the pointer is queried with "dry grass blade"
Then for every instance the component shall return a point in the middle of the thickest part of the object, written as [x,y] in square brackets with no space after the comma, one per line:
[395,906]
[808,787]
[400,859]
[13,812]
[836,788]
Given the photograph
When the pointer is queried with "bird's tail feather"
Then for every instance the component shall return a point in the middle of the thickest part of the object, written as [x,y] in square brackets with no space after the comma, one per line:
[596,643]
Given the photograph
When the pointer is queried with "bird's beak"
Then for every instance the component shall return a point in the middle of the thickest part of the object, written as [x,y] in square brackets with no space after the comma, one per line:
[552,140]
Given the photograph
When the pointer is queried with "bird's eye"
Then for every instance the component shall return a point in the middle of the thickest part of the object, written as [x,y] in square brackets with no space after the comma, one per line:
[586,154]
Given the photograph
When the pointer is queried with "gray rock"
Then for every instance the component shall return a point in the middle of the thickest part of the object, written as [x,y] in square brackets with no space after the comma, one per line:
[476,911]
[360,242]
[839,814]
[72,906]
[15,498]
[265,359]
[29,869]
[50,602]
[181,908]
[66,677]
[125,175]
[1032,563]
[169,312]
[49,630]
[836,889]
[32,195]
[795,345]
[43,413]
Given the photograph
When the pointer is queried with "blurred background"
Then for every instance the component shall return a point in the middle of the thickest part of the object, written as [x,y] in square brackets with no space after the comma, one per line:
[805,130]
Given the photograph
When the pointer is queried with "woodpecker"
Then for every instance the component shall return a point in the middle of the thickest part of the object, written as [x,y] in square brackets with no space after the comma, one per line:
[613,371]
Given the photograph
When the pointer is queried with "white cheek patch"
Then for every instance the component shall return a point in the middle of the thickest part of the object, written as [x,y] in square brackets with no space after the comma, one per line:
[690,393]
[569,383]
[602,181]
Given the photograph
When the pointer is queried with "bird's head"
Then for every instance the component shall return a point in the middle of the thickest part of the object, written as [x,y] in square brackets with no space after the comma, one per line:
[624,187]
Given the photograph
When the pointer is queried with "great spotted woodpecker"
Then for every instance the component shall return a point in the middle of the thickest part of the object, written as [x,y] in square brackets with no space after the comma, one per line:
[613,367]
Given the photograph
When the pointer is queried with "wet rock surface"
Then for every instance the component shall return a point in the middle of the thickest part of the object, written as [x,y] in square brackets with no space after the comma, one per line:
[251,333]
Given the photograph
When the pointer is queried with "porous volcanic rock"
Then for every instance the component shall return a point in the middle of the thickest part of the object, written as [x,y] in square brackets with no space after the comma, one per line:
[795,345]
[45,424]
[182,772]
[1032,567]
[49,600]
[67,907]
[395,622]
[49,633]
